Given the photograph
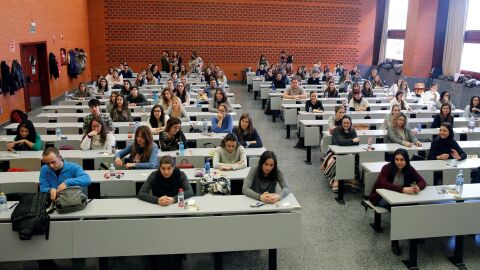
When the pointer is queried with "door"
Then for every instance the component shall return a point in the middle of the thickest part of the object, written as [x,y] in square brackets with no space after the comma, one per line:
[35,68]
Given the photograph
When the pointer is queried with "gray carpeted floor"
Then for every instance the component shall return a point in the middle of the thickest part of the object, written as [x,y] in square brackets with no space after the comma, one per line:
[333,236]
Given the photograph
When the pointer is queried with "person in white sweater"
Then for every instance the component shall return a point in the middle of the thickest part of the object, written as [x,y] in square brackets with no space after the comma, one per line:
[97,137]
[230,155]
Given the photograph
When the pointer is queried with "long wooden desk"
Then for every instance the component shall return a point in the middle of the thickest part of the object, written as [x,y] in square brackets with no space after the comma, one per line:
[104,229]
[430,214]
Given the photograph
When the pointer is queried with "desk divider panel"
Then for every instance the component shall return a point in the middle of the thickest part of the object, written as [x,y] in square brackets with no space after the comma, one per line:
[312,136]
[344,162]
[148,236]
[434,220]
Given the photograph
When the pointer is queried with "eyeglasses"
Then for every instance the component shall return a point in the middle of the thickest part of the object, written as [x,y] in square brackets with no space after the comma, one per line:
[221,110]
[156,110]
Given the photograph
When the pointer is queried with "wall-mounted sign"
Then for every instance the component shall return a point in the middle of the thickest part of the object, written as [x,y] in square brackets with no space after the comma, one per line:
[33,27]
[12,45]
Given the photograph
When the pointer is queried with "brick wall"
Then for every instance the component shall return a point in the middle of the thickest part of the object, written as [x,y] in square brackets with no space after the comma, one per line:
[231,33]
[52,18]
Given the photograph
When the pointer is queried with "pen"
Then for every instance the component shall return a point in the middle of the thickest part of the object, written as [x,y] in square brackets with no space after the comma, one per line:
[13,205]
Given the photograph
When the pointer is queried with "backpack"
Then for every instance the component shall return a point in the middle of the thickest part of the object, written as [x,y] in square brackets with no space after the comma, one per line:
[70,200]
[31,216]
[215,186]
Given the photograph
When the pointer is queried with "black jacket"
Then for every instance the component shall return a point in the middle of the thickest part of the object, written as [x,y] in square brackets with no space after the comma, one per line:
[53,66]
[7,82]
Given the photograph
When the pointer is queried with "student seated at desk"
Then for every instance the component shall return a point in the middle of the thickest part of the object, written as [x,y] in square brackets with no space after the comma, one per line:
[358,103]
[399,176]
[331,91]
[164,184]
[139,81]
[126,87]
[111,102]
[95,111]
[102,87]
[445,115]
[473,109]
[335,120]
[57,174]
[150,79]
[295,91]
[315,79]
[377,82]
[27,138]
[345,135]
[269,76]
[157,120]
[220,97]
[170,138]
[120,111]
[444,145]
[177,110]
[221,78]
[444,98]
[261,182]
[182,94]
[171,86]
[97,136]
[210,87]
[143,151]
[388,117]
[115,81]
[367,90]
[432,95]
[261,71]
[280,81]
[82,92]
[222,122]
[230,155]
[313,105]
[135,98]
[399,133]
[399,100]
[246,134]
[166,98]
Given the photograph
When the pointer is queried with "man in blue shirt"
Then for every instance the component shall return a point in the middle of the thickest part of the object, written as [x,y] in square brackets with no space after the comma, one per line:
[57,174]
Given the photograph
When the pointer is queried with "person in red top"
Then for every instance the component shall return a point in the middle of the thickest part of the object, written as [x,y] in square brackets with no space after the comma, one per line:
[399,176]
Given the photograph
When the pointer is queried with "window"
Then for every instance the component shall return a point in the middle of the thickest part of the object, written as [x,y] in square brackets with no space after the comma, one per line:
[471,47]
[397,23]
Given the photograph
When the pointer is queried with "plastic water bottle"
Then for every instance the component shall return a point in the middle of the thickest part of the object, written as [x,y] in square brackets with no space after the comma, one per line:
[135,126]
[370,142]
[310,109]
[181,149]
[3,202]
[58,132]
[155,97]
[419,127]
[67,97]
[181,198]
[459,183]
[274,89]
[207,167]
[204,126]
[112,171]
[471,124]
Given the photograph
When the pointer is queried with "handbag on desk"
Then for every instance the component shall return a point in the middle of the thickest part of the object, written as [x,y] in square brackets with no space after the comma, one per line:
[215,186]
[184,164]
[71,199]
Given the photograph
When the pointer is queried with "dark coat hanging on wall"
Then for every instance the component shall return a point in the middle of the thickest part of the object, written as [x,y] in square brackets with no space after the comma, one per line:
[53,66]
[7,82]
[17,75]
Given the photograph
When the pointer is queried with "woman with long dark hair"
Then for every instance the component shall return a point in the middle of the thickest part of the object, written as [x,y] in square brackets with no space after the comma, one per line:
[143,151]
[172,135]
[157,120]
[246,134]
[220,97]
[445,115]
[444,98]
[120,111]
[473,109]
[262,180]
[97,136]
[398,175]
[444,145]
[230,155]
[27,138]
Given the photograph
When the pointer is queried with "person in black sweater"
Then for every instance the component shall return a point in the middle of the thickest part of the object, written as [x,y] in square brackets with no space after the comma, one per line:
[331,91]
[345,135]
[279,81]
[445,115]
[164,184]
[444,146]
[315,79]
[313,105]
[246,134]
[172,135]
[135,98]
